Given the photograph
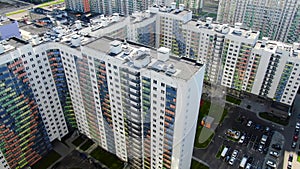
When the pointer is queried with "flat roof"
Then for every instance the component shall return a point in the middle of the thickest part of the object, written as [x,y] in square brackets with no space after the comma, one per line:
[184,68]
[34,29]
[224,29]
[12,43]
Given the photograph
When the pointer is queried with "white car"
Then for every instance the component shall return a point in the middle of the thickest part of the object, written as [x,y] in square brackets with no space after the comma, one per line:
[235,153]
[242,139]
[297,125]
[249,123]
[260,148]
[274,153]
[248,166]
[231,161]
[271,163]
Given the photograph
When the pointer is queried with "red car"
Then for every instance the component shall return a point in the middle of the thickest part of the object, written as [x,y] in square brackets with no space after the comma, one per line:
[295,138]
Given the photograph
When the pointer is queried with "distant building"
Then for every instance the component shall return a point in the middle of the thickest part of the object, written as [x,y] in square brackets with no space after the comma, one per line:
[278,20]
[8,30]
[108,7]
[82,6]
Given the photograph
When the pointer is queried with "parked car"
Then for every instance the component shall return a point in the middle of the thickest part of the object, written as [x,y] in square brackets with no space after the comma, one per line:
[289,165]
[257,127]
[276,146]
[250,160]
[271,163]
[295,138]
[294,144]
[231,161]
[227,158]
[235,153]
[249,123]
[260,148]
[274,153]
[242,139]
[248,166]
[296,133]
[267,129]
[297,125]
[291,157]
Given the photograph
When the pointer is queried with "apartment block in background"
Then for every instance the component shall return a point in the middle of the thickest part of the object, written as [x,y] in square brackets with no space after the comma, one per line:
[82,6]
[278,20]
[108,7]
[227,52]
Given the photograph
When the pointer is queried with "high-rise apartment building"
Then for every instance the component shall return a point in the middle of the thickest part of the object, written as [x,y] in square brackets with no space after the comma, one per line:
[138,103]
[78,5]
[142,97]
[227,52]
[108,7]
[275,19]
[23,135]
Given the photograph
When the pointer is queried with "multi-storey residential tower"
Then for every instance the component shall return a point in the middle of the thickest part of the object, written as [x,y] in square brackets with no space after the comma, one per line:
[23,136]
[108,7]
[274,19]
[78,5]
[135,102]
[142,96]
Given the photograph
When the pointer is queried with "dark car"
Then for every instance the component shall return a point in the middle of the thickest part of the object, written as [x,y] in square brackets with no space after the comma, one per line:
[257,127]
[250,160]
[227,158]
[296,133]
[294,144]
[276,146]
[265,151]
[291,157]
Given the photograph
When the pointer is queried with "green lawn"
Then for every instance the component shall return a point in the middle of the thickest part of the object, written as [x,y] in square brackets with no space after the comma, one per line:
[205,143]
[204,110]
[233,100]
[274,119]
[16,12]
[298,156]
[218,155]
[108,159]
[196,165]
[46,161]
[78,141]
[50,3]
[86,145]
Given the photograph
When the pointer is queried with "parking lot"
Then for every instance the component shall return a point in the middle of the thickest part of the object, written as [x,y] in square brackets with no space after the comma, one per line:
[251,145]
[255,149]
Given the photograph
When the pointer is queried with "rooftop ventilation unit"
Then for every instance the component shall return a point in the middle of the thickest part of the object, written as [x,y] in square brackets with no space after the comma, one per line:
[173,5]
[237,32]
[163,54]
[181,7]
[238,25]
[76,41]
[115,47]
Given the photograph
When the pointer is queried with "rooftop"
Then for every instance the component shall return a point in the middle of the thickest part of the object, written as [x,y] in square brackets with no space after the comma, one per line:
[223,28]
[139,57]
[11,44]
[34,29]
